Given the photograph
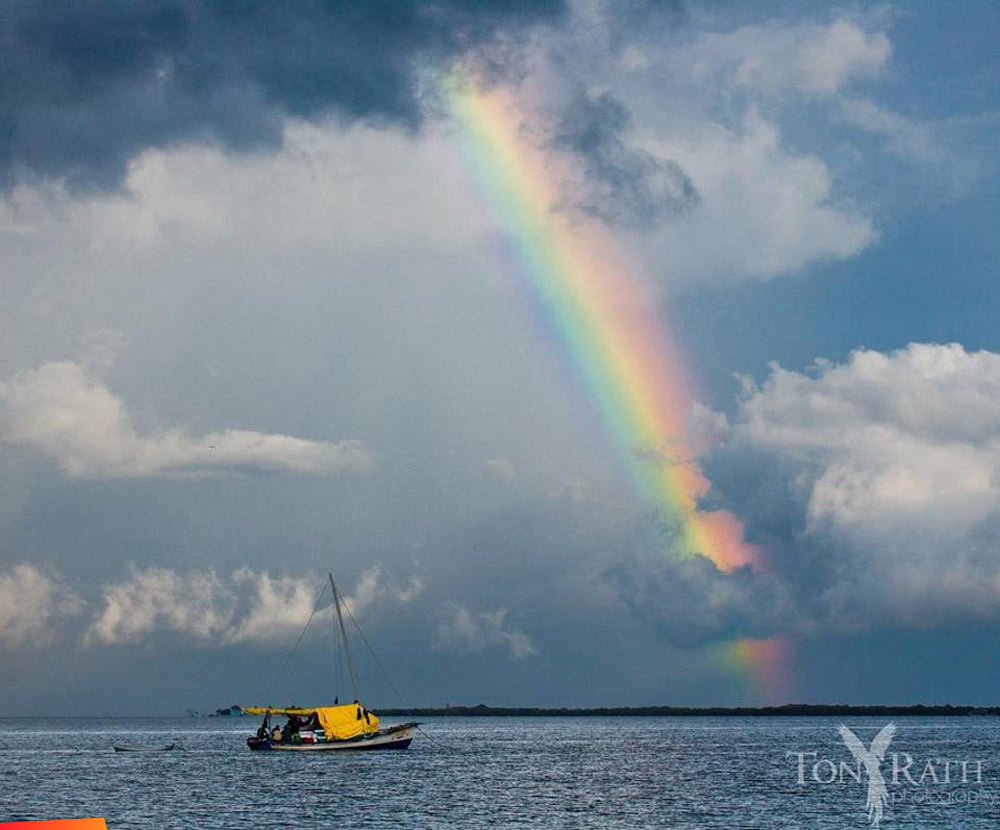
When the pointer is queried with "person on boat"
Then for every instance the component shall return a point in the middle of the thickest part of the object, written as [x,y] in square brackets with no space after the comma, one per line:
[292,727]
[276,734]
[312,723]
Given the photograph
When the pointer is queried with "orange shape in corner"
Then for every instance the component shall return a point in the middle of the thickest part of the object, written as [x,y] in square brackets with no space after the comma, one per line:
[66,824]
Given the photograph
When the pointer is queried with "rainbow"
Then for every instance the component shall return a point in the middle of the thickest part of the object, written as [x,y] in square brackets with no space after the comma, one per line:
[607,319]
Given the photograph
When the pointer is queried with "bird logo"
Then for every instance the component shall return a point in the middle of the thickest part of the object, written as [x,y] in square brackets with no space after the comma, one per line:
[871,758]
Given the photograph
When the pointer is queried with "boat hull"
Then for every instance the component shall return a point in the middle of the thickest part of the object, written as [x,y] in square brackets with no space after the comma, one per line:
[396,737]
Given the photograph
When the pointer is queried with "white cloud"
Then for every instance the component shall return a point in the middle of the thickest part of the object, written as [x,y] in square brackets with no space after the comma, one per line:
[359,185]
[246,606]
[366,592]
[197,604]
[500,468]
[64,413]
[197,236]
[277,605]
[904,136]
[763,210]
[712,108]
[778,63]
[775,59]
[887,470]
[30,601]
[462,630]
[704,428]
[372,589]
[409,592]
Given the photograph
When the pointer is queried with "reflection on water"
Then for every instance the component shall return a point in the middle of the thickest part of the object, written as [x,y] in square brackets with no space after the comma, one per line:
[486,772]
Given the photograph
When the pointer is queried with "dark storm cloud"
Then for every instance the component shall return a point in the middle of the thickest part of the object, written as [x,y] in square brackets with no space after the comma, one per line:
[85,86]
[689,601]
[766,490]
[625,185]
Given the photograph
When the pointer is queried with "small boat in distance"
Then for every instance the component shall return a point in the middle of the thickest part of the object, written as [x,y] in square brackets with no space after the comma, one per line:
[164,748]
[348,726]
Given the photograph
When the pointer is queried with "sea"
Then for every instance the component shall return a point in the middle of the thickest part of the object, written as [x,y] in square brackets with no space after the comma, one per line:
[478,772]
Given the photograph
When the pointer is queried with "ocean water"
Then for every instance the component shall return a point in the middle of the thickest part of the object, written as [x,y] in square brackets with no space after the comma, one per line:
[504,772]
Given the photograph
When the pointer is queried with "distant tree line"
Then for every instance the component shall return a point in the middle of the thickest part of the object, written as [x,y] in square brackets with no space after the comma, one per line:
[787,710]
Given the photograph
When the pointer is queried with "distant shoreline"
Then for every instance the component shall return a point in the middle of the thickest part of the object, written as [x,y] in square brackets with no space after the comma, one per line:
[482,710]
[788,710]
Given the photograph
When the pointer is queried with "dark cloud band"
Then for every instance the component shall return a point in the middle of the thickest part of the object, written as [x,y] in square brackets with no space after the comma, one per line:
[85,86]
[623,184]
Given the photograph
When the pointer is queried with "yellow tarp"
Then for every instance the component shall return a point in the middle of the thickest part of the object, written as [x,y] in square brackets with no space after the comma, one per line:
[339,722]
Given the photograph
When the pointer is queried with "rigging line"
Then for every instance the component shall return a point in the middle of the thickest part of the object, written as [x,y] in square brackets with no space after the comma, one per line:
[302,634]
[392,685]
[371,651]
[442,744]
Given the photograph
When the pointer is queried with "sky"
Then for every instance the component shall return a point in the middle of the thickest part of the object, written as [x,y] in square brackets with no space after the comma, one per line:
[264,316]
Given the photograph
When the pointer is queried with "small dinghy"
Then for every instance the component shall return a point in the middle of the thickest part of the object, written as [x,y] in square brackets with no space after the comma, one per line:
[164,748]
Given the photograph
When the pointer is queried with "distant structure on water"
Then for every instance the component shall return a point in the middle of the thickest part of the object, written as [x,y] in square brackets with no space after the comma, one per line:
[233,711]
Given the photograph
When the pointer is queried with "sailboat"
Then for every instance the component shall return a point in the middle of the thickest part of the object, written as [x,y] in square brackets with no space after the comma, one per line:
[328,728]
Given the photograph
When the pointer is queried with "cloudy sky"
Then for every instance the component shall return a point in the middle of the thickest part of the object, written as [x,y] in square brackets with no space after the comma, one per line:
[257,325]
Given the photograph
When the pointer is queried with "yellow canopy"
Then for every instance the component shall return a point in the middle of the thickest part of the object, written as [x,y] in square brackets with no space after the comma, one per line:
[339,722]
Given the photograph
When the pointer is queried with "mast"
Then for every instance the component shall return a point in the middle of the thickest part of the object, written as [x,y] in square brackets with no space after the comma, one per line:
[343,634]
